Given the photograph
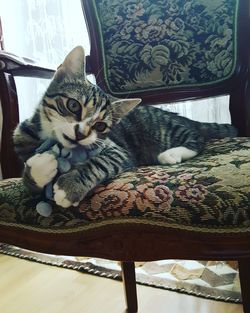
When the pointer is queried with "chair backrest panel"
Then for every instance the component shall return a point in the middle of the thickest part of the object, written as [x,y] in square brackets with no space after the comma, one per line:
[170,50]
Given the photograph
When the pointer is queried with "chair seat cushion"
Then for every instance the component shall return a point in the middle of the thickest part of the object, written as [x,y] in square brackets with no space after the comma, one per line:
[210,193]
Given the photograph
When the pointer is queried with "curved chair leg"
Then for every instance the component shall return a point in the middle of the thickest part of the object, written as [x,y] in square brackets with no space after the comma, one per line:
[129,283]
[244,271]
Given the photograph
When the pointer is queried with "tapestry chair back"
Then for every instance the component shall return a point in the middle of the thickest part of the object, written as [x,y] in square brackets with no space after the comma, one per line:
[164,51]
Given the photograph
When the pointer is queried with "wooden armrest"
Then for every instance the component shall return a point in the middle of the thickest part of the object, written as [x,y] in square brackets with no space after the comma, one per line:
[21,66]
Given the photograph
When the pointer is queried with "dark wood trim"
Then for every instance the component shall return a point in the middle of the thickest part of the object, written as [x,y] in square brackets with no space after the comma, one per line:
[33,71]
[95,62]
[11,166]
[129,283]
[18,66]
[240,108]
[133,242]
[240,92]
[89,66]
[244,265]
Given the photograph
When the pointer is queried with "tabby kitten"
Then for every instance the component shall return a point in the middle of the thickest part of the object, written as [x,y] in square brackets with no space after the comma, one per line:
[75,112]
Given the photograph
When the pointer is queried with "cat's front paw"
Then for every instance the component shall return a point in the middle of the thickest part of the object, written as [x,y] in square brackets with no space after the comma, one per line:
[42,168]
[69,190]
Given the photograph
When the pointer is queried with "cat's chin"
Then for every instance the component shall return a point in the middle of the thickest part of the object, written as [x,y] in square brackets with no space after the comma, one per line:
[68,145]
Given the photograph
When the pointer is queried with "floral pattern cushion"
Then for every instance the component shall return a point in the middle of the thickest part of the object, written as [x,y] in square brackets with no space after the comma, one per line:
[148,45]
[208,193]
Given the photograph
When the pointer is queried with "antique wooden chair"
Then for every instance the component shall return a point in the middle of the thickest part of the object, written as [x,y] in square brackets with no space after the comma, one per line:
[160,51]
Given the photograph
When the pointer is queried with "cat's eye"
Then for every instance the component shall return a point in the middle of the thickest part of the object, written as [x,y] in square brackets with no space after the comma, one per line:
[60,107]
[73,106]
[100,126]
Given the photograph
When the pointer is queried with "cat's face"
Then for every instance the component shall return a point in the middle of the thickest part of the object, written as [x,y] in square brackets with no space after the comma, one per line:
[76,112]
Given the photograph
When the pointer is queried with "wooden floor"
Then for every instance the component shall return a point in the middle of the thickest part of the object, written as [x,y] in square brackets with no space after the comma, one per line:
[29,287]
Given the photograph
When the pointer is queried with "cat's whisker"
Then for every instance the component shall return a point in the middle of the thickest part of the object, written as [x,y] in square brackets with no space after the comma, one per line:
[100,143]
[98,73]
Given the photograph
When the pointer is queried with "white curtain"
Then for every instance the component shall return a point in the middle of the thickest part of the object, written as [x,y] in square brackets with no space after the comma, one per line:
[44,30]
[206,110]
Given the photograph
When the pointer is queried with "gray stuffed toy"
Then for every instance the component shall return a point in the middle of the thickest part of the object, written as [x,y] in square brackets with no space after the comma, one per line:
[65,158]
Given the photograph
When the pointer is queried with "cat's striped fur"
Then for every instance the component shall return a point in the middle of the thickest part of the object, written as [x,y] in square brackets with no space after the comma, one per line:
[74,111]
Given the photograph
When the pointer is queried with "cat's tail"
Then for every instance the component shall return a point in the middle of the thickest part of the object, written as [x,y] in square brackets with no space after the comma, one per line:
[217,131]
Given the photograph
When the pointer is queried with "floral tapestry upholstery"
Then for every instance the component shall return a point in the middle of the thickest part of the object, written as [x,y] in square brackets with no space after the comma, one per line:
[210,193]
[149,45]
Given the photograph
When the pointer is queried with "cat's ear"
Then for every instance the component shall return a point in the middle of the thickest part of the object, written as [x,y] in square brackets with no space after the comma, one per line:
[74,64]
[121,107]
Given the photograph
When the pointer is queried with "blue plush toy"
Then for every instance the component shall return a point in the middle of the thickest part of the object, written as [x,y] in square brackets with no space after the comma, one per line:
[65,158]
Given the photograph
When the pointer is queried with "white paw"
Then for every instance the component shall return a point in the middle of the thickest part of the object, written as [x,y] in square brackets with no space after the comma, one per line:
[168,158]
[60,198]
[43,168]
[176,155]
